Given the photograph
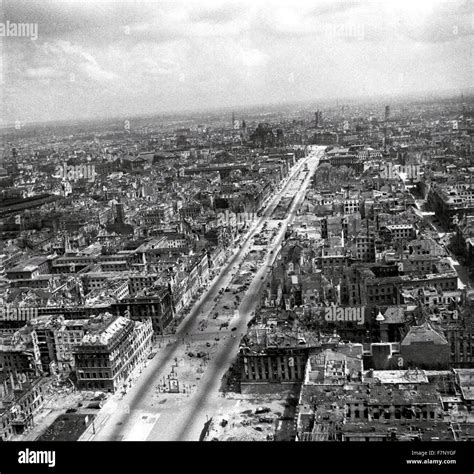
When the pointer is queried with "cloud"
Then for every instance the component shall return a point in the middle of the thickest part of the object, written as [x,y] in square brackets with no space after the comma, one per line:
[43,72]
[217,13]
[59,18]
[74,61]
[447,23]
[134,56]
[95,72]
[334,7]
[252,57]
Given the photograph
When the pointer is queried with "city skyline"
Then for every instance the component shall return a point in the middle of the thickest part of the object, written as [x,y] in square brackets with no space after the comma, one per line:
[95,60]
[236,221]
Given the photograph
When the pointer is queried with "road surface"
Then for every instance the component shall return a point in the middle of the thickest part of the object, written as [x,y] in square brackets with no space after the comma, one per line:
[145,412]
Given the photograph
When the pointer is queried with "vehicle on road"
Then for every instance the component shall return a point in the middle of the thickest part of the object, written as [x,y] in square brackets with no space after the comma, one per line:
[95,405]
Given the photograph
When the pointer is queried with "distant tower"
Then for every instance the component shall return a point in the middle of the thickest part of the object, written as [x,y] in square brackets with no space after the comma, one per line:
[324,228]
[119,219]
[316,118]
[244,129]
[67,243]
[233,120]
[345,228]
[387,117]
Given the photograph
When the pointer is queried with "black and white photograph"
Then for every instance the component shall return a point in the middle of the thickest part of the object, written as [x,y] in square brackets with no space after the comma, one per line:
[247,222]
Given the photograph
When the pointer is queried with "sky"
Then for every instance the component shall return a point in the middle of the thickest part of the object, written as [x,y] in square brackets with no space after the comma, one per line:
[102,58]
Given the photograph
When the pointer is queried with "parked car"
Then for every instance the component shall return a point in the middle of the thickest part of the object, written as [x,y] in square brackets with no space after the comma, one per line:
[95,405]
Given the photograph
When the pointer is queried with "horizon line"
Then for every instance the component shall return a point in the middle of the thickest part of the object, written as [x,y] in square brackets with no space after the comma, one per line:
[423,95]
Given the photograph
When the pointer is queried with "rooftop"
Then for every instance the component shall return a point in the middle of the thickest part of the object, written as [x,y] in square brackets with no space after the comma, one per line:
[397,376]
[424,333]
[103,336]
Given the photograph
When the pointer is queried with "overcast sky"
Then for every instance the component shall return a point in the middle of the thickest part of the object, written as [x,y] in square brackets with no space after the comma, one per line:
[103,58]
